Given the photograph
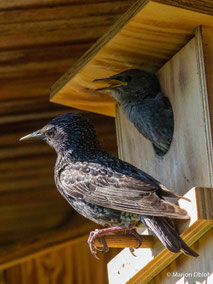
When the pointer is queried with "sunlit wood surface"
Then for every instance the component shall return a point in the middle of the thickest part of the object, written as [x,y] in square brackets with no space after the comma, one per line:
[146,37]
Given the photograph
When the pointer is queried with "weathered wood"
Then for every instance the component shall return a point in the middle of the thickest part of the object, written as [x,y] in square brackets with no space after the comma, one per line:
[207,38]
[189,159]
[145,37]
[200,210]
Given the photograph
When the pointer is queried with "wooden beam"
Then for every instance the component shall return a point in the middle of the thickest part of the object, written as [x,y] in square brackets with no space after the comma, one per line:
[207,38]
[201,6]
[200,210]
[144,37]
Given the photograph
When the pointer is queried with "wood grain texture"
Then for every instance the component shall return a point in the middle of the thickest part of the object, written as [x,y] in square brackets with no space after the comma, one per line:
[50,25]
[202,6]
[145,37]
[80,99]
[68,265]
[207,39]
[41,39]
[189,160]
[194,271]
[124,241]
[200,211]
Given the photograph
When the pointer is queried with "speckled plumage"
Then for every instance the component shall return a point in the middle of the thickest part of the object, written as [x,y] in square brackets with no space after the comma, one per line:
[105,189]
[144,105]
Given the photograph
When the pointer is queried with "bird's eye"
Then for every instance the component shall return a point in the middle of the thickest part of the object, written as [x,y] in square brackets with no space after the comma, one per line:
[51,132]
[128,79]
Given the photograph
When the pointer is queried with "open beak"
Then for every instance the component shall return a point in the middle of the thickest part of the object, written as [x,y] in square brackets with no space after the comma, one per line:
[113,83]
[37,134]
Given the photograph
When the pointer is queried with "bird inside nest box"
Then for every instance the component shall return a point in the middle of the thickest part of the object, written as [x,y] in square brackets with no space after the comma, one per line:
[188,162]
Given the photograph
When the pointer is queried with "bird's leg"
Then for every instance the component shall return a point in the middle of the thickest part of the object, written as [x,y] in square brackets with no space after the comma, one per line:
[138,237]
[100,234]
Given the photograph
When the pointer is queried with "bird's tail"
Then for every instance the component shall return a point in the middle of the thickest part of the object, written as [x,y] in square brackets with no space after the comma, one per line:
[165,232]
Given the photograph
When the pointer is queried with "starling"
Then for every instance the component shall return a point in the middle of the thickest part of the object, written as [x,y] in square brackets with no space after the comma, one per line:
[105,189]
[139,94]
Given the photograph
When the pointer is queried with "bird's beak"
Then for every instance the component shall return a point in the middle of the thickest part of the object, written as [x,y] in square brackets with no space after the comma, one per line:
[37,134]
[114,83]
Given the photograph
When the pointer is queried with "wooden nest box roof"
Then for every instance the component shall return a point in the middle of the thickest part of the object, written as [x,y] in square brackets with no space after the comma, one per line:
[146,36]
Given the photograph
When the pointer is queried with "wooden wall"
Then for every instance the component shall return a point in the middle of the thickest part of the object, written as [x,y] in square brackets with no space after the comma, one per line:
[73,264]
[39,41]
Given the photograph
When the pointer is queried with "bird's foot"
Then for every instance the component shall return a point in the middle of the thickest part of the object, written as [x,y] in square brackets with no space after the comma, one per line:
[100,234]
[138,237]
[91,241]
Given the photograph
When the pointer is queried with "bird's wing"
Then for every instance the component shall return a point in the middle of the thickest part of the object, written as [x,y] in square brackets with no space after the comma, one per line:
[154,119]
[100,185]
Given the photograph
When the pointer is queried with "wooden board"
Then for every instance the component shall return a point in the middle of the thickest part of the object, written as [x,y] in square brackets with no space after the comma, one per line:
[145,37]
[41,39]
[194,271]
[189,160]
[72,264]
[149,263]
[207,38]
[202,6]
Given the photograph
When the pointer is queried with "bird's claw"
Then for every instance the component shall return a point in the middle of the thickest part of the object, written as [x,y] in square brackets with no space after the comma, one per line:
[91,241]
[132,250]
[138,238]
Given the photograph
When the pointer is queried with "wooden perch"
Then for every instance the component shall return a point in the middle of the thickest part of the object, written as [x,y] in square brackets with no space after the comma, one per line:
[122,241]
[200,210]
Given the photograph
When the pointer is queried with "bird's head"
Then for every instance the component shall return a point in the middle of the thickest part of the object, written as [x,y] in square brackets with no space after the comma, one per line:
[130,85]
[69,132]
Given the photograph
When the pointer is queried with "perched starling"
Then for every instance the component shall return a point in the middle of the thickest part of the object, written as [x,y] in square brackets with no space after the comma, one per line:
[106,190]
[141,99]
